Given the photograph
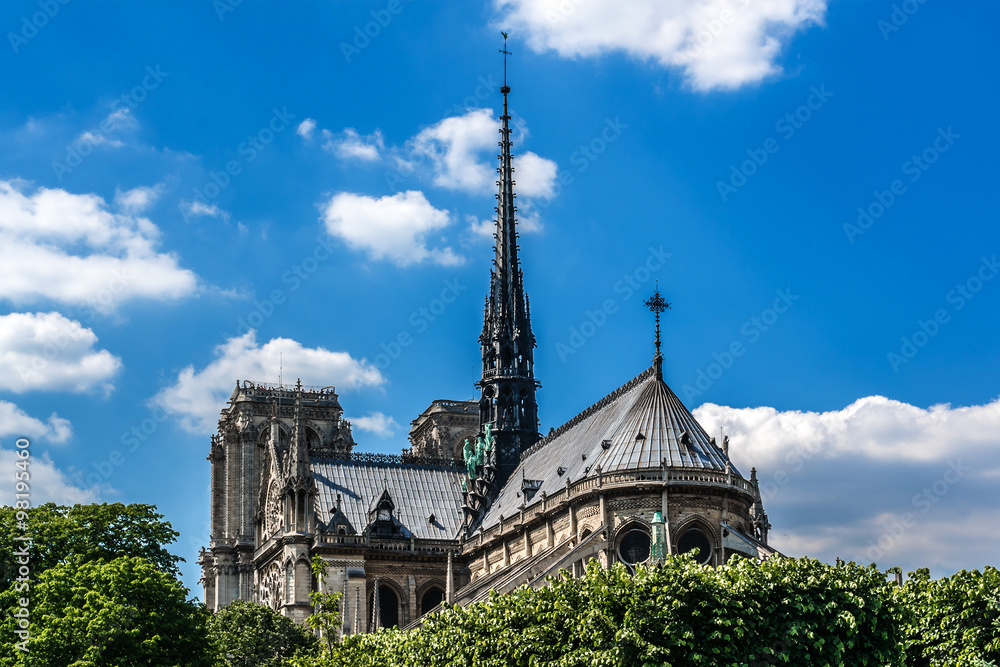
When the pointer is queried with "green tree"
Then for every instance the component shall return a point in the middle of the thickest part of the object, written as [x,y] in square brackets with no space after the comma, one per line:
[326,617]
[245,634]
[955,620]
[116,613]
[93,532]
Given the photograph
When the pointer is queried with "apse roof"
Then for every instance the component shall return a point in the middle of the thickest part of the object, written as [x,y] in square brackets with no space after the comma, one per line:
[638,425]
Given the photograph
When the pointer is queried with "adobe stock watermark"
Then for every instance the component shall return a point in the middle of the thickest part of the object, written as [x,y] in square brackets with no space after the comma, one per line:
[712,29]
[21,555]
[958,298]
[30,25]
[795,461]
[901,13]
[922,502]
[914,168]
[627,286]
[419,321]
[584,156]
[750,332]
[294,277]
[131,440]
[484,89]
[363,35]
[249,149]
[786,126]
[84,145]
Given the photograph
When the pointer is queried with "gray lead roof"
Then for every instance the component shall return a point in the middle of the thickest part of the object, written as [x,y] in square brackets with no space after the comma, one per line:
[417,491]
[637,426]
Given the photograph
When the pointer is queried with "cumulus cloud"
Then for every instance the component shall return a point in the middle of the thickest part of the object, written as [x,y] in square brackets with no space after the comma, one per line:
[878,481]
[717,44]
[306,128]
[351,145]
[46,351]
[198,395]
[393,228]
[16,423]
[138,199]
[380,424]
[49,484]
[455,147]
[71,249]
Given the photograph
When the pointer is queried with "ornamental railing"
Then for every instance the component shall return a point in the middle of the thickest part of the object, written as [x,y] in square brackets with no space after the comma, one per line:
[618,479]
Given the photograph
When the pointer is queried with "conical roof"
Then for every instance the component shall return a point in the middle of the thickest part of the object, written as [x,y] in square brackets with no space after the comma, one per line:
[639,425]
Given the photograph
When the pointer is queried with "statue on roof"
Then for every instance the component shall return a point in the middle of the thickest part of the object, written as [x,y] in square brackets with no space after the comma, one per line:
[469,454]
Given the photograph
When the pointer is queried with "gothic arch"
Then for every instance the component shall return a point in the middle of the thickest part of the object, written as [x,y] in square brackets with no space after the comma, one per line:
[693,524]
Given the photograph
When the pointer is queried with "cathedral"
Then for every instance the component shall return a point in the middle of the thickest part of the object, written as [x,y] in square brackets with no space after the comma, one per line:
[480,501]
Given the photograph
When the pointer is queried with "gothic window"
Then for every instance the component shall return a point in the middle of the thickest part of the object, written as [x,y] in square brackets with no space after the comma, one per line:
[289,583]
[634,546]
[388,606]
[692,539]
[432,598]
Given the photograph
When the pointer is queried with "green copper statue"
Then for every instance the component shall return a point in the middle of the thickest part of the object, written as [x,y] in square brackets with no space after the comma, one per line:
[470,459]
[488,440]
[465,487]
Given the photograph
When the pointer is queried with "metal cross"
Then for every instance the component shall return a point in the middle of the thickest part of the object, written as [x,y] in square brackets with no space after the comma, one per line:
[657,304]
[505,53]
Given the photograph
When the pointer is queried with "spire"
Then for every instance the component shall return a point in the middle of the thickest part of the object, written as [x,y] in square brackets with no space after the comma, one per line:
[657,304]
[508,383]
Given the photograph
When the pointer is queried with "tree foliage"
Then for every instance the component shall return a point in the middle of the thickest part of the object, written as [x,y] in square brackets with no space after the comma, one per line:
[955,620]
[325,619]
[93,532]
[784,611]
[246,634]
[115,613]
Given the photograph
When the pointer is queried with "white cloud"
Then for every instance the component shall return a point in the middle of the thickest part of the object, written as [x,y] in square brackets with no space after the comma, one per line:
[879,480]
[380,424]
[198,396]
[98,139]
[351,145]
[116,121]
[456,147]
[46,351]
[69,248]
[16,423]
[534,176]
[720,44]
[138,199]
[49,484]
[393,228]
[875,428]
[197,208]
[306,128]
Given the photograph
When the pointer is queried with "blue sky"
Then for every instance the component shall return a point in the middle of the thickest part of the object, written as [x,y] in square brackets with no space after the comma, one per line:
[810,183]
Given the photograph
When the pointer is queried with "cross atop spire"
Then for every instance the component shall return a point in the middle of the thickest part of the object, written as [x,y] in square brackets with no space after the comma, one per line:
[505,89]
[657,304]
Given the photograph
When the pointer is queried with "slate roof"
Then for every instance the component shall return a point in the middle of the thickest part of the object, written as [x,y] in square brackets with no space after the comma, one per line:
[416,490]
[636,426]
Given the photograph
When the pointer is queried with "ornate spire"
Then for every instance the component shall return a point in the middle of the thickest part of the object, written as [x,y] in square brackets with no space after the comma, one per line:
[508,383]
[657,304]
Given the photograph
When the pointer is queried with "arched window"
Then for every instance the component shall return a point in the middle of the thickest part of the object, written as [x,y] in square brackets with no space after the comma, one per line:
[388,606]
[432,598]
[694,538]
[634,546]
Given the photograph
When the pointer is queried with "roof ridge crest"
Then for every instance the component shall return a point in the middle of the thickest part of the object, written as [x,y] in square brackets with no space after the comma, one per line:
[579,417]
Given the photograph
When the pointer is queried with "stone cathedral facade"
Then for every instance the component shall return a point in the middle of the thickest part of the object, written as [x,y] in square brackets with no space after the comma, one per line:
[480,501]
